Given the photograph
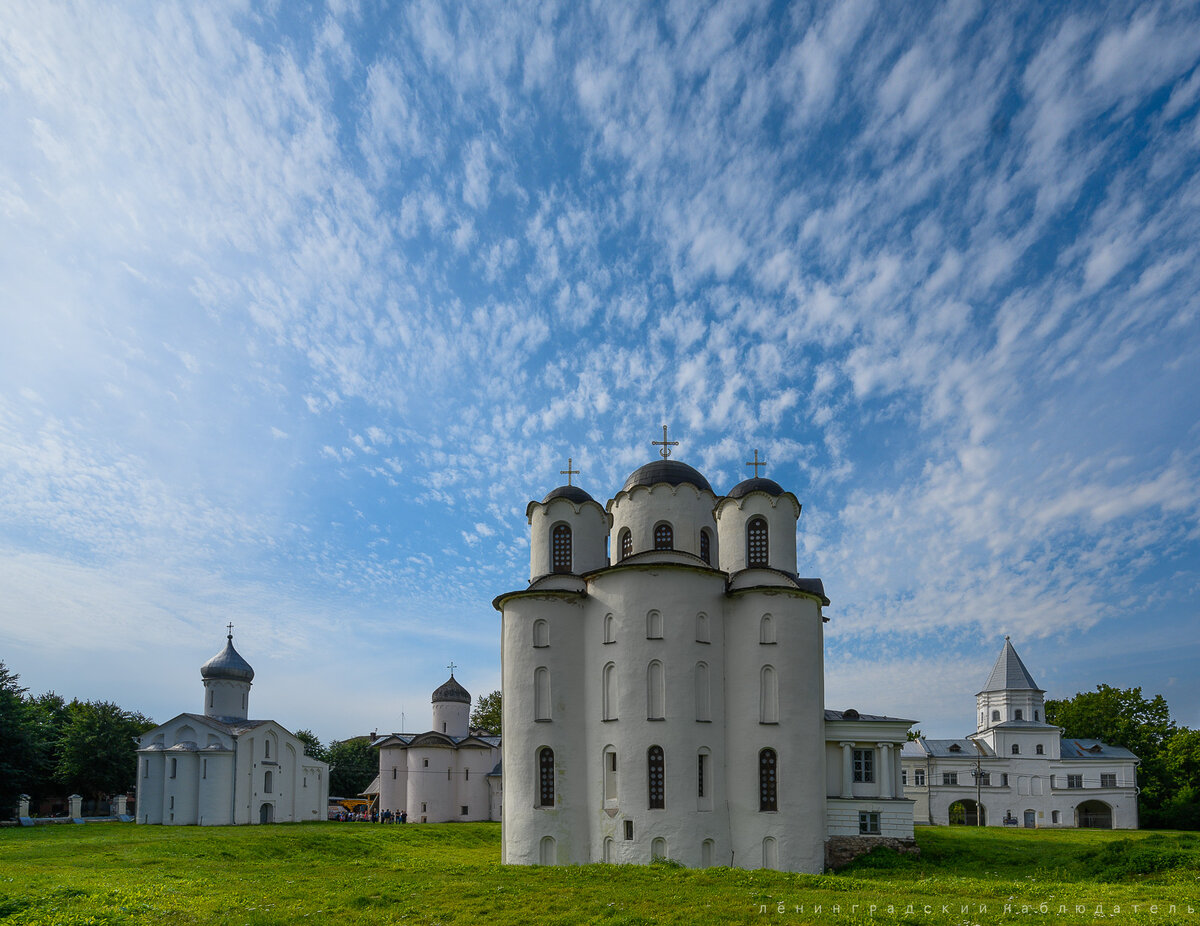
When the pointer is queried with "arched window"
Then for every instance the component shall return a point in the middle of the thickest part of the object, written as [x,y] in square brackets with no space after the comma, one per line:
[541,693]
[756,542]
[1019,715]
[267,745]
[770,853]
[546,777]
[767,793]
[267,783]
[610,629]
[1016,749]
[995,716]
[768,696]
[1035,716]
[706,546]
[610,692]
[655,778]
[560,548]
[655,691]
[610,774]
[706,853]
[547,851]
[766,629]
[702,628]
[1039,749]
[626,542]
[702,695]
[654,625]
[664,537]
[608,850]
[541,633]
[658,848]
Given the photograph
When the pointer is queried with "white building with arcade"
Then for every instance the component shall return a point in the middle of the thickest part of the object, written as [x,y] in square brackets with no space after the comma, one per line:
[1018,770]
[663,679]
[220,768]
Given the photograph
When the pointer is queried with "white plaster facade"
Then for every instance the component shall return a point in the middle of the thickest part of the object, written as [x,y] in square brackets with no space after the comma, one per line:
[666,698]
[445,774]
[1029,775]
[219,768]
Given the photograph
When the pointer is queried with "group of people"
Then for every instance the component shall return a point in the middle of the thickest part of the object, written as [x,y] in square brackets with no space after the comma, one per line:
[388,816]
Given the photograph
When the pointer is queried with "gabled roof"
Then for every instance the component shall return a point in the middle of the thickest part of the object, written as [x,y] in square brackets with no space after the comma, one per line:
[1009,673]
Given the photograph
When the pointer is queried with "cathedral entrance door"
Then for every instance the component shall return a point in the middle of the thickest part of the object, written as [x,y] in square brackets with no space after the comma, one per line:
[266,813]
[1030,819]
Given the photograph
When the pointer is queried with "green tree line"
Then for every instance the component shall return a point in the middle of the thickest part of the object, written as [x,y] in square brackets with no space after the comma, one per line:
[49,746]
[1169,771]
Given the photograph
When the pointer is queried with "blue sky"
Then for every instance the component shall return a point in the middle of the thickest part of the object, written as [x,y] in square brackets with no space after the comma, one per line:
[301,304]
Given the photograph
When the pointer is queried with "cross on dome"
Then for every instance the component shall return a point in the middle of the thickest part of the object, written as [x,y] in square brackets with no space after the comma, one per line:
[229,626]
[665,444]
[568,472]
[452,666]
[757,463]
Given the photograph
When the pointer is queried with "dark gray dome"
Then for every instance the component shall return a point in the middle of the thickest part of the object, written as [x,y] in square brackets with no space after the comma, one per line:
[228,664]
[671,472]
[757,484]
[570,493]
[451,690]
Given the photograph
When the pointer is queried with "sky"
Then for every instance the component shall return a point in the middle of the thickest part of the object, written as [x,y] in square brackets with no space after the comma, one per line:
[302,303]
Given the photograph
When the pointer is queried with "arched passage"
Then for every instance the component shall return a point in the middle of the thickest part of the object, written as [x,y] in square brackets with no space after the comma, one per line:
[967,813]
[1094,815]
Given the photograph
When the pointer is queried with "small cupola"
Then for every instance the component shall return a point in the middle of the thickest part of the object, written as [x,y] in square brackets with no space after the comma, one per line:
[227,678]
[568,529]
[451,708]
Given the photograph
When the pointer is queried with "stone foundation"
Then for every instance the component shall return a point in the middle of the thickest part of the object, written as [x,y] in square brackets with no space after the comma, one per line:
[841,850]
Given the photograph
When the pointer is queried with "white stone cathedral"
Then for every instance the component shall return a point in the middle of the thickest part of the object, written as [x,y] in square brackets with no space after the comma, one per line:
[220,768]
[667,700]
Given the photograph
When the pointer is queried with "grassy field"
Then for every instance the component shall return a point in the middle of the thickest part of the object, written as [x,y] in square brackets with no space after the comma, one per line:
[450,873]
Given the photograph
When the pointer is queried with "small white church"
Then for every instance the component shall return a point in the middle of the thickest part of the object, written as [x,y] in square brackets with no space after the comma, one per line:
[219,768]
[663,679]
[448,773]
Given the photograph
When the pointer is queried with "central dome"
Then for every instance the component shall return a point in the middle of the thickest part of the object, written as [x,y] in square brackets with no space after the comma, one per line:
[228,664]
[451,690]
[671,472]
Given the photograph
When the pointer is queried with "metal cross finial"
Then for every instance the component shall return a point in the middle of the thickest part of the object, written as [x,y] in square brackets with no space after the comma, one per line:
[452,667]
[568,472]
[757,463]
[665,444]
[230,626]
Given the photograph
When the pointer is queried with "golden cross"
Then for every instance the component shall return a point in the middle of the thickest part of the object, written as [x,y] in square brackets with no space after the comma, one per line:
[665,444]
[568,472]
[452,667]
[757,463]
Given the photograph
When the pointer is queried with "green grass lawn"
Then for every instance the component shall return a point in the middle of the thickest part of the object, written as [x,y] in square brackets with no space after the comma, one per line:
[450,873]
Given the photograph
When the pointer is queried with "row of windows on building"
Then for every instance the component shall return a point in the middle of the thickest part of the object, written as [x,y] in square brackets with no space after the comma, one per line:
[1018,714]
[1072,782]
[656,792]
[173,772]
[655,631]
[656,693]
[449,772]
[757,543]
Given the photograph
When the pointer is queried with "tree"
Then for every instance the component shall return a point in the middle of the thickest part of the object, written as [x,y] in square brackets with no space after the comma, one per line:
[17,742]
[1123,717]
[486,715]
[312,745]
[49,714]
[352,766]
[914,735]
[98,756]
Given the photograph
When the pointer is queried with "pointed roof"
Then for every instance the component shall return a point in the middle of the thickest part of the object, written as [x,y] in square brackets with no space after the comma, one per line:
[1009,673]
[228,664]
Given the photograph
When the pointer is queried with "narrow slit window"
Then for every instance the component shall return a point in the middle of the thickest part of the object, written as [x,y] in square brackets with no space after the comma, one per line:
[767,785]
[546,777]
[655,778]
